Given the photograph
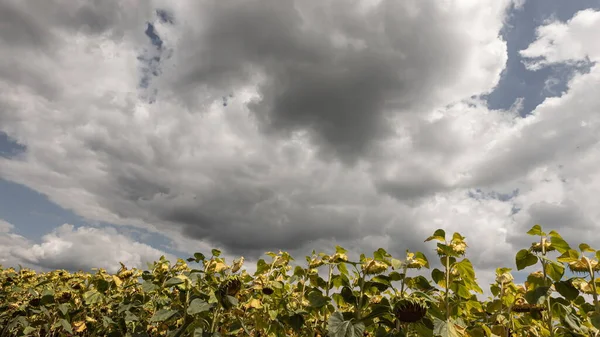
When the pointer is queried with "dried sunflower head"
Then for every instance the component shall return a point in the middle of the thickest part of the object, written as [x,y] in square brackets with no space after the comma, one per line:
[126,274]
[64,297]
[504,278]
[458,248]
[581,266]
[372,267]
[409,310]
[315,263]
[537,246]
[521,306]
[230,287]
[237,264]
[338,257]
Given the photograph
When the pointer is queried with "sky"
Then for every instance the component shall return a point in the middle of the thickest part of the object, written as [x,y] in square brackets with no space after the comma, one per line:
[134,129]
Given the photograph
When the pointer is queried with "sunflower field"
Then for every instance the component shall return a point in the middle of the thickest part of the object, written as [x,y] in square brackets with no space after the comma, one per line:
[331,295]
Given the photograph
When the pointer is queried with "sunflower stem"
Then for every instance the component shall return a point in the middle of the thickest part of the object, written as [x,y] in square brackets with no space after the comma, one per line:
[593,281]
[447,293]
[549,284]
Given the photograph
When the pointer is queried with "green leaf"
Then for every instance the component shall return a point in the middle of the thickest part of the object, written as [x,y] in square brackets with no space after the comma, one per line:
[558,242]
[317,300]
[199,257]
[536,230]
[173,281]
[569,318]
[422,258]
[216,252]
[595,320]
[396,264]
[296,322]
[381,255]
[525,259]
[342,268]
[197,306]
[163,315]
[465,269]
[439,235]
[66,325]
[396,276]
[338,327]
[444,328]
[568,256]
[438,277]
[447,250]
[63,308]
[584,247]
[129,317]
[538,295]
[348,295]
[553,269]
[340,250]
[92,297]
[420,282]
[29,331]
[567,290]
[107,321]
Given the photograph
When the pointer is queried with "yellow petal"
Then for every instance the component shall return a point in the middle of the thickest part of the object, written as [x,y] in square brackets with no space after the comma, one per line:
[117,280]
[79,326]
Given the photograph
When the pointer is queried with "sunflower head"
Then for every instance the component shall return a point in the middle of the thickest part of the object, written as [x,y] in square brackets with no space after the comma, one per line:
[581,266]
[315,262]
[522,306]
[544,246]
[372,267]
[338,257]
[504,278]
[64,297]
[410,310]
[230,286]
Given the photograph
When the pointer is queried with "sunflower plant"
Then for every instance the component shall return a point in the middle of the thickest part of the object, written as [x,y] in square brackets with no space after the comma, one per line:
[330,295]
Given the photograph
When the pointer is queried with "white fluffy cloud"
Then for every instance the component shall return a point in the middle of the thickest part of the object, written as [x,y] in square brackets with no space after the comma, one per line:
[76,249]
[362,135]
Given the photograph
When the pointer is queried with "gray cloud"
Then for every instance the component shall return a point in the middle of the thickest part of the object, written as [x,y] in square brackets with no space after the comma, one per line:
[317,86]
[326,67]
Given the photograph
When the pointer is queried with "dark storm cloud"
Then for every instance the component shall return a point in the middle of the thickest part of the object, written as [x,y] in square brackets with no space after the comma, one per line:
[384,61]
[250,221]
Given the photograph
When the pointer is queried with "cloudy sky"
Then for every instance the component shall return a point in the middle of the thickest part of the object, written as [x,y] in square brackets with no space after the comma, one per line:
[131,129]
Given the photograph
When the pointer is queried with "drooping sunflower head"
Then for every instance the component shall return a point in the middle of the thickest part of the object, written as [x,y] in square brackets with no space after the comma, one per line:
[410,310]
[458,247]
[539,247]
[267,290]
[504,278]
[338,257]
[64,297]
[372,267]
[522,306]
[231,286]
[581,266]
[315,262]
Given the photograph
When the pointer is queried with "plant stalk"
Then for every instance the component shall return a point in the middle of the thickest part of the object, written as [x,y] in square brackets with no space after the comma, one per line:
[447,292]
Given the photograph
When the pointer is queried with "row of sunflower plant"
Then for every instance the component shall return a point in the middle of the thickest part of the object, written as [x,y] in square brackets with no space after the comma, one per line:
[331,296]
